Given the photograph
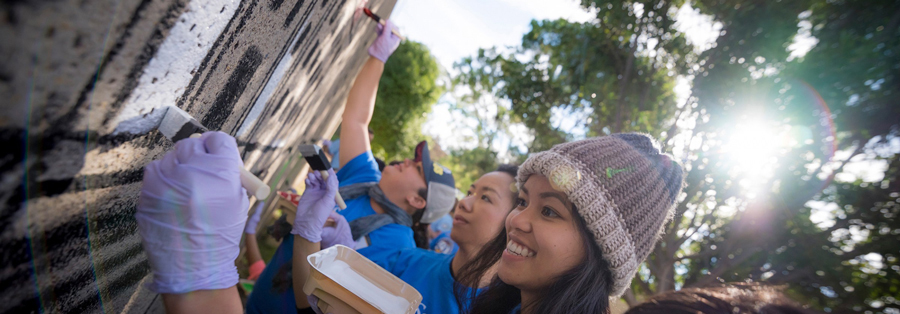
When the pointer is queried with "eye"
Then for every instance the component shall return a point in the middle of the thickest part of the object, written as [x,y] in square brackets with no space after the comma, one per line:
[520,202]
[485,198]
[549,212]
[469,193]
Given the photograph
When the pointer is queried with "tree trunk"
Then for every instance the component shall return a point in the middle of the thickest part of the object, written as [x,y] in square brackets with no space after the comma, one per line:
[623,86]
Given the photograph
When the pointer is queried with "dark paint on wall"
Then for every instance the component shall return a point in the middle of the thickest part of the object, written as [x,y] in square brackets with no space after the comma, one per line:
[69,188]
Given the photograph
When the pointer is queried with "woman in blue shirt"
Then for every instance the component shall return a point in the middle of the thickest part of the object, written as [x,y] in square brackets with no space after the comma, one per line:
[478,219]
[588,213]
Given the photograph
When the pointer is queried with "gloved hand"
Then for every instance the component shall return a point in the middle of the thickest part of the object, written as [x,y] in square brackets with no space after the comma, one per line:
[386,42]
[253,221]
[337,234]
[314,304]
[191,214]
[316,203]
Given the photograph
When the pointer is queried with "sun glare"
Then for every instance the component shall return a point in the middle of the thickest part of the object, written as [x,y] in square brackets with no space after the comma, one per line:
[751,149]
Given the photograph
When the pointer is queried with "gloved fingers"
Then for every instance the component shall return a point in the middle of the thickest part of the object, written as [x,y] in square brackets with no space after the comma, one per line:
[379,28]
[245,205]
[314,303]
[332,181]
[258,211]
[391,27]
[188,149]
[158,180]
[311,182]
[220,143]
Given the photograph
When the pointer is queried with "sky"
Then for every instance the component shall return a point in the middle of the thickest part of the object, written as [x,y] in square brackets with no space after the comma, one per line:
[453,30]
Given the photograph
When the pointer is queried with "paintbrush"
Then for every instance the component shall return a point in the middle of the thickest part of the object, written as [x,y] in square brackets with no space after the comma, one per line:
[378,20]
[176,124]
[319,162]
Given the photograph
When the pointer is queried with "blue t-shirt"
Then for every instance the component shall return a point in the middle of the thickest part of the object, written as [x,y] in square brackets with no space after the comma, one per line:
[428,272]
[381,242]
[360,169]
[265,298]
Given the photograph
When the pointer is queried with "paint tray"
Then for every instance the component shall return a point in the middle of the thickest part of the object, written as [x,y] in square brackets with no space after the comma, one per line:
[342,278]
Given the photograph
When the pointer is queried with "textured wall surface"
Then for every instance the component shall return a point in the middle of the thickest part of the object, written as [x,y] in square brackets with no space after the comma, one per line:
[274,73]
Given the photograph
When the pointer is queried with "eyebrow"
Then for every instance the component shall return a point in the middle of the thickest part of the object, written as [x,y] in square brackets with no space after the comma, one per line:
[553,195]
[490,189]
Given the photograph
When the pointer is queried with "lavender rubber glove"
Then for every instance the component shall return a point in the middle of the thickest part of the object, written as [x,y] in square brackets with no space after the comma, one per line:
[337,234]
[253,221]
[386,42]
[316,203]
[191,215]
[314,304]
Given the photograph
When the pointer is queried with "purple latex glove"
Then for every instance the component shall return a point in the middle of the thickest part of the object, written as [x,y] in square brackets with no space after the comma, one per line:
[316,203]
[337,234]
[191,214]
[314,304]
[386,42]
[253,221]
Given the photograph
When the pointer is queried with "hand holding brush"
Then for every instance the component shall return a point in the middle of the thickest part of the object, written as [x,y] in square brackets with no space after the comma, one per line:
[383,22]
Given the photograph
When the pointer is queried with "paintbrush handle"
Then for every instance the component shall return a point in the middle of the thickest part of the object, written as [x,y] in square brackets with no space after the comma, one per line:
[396,33]
[254,185]
[337,196]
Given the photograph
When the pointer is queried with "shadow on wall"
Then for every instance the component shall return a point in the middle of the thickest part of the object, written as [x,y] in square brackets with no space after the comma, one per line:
[73,70]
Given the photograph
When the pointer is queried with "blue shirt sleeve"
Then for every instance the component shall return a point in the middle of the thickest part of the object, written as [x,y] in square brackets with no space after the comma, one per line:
[362,168]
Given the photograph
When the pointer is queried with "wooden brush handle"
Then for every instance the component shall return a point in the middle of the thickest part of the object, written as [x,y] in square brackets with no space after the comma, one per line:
[383,23]
[254,185]
[337,196]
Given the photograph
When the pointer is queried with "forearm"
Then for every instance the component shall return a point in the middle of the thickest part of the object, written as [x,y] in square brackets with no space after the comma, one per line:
[204,301]
[359,109]
[252,251]
[361,99]
[302,249]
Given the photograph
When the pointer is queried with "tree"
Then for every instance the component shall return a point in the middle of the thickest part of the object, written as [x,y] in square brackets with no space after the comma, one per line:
[831,106]
[407,91]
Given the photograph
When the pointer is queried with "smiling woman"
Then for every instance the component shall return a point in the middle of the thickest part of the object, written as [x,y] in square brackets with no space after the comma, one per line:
[588,213]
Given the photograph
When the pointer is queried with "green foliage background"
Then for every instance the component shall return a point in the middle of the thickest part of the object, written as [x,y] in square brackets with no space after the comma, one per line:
[840,96]
[408,89]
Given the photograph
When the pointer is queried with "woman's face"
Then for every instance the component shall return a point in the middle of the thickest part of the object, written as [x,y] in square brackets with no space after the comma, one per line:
[479,216]
[543,240]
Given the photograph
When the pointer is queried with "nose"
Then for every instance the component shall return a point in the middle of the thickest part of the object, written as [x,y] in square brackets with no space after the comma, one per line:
[519,219]
[466,203]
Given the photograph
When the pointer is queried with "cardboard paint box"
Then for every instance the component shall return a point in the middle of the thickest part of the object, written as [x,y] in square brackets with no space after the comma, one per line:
[347,282]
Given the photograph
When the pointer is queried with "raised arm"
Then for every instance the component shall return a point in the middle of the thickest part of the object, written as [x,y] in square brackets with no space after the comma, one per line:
[361,100]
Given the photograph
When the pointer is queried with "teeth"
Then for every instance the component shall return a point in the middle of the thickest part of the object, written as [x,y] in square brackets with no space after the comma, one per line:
[514,248]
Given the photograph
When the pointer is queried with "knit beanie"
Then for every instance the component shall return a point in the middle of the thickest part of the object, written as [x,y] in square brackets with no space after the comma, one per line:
[623,187]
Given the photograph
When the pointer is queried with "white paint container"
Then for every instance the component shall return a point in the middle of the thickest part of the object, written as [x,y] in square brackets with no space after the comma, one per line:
[347,282]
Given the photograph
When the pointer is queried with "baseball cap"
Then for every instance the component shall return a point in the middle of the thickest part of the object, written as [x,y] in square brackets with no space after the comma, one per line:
[440,184]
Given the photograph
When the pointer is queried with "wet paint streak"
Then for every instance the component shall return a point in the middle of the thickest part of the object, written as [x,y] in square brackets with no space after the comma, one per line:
[228,96]
[225,40]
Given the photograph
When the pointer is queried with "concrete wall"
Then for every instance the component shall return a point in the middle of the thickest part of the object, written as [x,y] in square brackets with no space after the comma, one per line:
[274,73]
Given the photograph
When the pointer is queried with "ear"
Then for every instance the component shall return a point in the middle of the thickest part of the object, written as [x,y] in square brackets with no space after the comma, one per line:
[416,201]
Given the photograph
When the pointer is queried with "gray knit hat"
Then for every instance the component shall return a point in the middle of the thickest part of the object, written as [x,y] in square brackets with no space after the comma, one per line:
[623,187]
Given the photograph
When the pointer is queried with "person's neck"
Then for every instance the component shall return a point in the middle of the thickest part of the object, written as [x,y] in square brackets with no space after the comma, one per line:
[390,197]
[464,255]
[528,298]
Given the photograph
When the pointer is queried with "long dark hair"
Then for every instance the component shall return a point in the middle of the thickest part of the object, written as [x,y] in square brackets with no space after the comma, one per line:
[583,289]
